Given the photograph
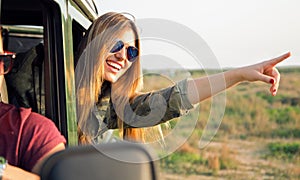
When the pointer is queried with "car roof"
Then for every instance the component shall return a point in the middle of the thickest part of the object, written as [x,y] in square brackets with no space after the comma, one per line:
[28,11]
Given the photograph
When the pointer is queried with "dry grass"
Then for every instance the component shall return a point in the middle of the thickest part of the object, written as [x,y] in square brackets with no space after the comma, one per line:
[253,118]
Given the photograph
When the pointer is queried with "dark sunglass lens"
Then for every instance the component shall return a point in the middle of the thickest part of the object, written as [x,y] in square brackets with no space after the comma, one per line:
[132,53]
[117,47]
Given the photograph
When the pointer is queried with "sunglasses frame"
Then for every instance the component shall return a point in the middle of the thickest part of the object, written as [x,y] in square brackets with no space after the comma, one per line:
[119,45]
[11,56]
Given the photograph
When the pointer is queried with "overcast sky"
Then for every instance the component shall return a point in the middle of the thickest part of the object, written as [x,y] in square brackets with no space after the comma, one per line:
[239,32]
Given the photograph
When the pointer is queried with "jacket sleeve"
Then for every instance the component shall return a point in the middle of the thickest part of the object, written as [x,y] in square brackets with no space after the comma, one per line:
[159,106]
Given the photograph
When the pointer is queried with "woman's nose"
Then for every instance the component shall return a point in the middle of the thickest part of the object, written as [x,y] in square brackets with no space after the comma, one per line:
[121,55]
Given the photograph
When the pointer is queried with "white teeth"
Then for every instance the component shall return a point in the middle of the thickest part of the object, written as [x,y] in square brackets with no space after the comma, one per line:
[117,66]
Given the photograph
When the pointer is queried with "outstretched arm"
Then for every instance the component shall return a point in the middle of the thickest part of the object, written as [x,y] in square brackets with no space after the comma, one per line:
[202,88]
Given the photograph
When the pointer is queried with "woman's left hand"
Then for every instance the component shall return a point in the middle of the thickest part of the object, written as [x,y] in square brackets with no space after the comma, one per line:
[265,72]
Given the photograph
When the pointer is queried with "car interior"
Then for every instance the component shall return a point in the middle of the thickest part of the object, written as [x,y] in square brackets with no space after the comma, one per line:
[35,31]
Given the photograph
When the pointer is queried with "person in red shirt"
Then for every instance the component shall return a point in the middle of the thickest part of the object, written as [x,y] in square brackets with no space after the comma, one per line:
[26,139]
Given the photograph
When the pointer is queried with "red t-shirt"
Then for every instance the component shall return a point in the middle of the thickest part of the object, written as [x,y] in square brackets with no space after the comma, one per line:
[26,136]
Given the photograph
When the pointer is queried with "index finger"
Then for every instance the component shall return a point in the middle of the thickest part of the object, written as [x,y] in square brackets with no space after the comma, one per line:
[278,59]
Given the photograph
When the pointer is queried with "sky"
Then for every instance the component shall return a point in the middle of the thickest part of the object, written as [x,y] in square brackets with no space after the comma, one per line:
[238,32]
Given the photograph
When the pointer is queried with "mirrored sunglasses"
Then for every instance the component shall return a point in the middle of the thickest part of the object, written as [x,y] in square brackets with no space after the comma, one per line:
[7,59]
[131,53]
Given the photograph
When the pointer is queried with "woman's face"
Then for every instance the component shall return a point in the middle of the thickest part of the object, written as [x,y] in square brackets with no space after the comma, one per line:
[116,64]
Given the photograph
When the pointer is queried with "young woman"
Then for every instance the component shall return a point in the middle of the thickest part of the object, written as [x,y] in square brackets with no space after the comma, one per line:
[108,81]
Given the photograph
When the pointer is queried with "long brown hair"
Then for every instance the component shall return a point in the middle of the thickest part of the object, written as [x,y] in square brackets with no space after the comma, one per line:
[104,30]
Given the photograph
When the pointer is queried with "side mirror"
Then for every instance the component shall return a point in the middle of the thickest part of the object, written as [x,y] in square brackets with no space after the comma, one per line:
[124,161]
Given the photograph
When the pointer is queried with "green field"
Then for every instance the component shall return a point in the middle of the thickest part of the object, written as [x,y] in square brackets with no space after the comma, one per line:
[259,137]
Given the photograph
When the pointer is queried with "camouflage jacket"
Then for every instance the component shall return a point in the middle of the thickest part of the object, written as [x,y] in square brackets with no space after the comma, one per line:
[145,110]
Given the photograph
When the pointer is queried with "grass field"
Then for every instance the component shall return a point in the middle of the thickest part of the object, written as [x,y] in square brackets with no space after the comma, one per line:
[259,137]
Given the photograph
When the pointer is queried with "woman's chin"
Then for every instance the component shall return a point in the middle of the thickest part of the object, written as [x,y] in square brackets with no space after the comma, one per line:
[111,78]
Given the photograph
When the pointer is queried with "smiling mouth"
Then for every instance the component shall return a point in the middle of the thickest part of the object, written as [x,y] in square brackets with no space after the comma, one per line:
[113,65]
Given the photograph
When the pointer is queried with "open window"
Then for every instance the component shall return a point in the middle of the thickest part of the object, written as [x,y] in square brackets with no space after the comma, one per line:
[45,34]
[22,32]
[29,31]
